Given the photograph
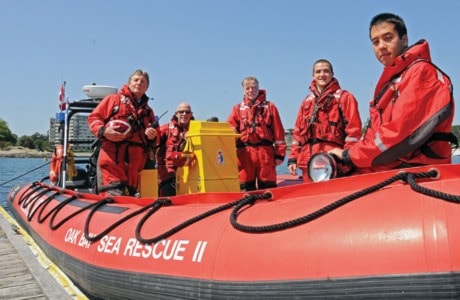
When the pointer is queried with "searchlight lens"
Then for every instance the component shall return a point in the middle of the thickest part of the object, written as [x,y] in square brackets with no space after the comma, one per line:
[321,167]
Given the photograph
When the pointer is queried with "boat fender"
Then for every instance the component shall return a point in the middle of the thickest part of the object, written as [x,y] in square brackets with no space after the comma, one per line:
[55,164]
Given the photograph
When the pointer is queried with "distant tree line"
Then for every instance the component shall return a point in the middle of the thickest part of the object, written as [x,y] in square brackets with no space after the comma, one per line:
[35,141]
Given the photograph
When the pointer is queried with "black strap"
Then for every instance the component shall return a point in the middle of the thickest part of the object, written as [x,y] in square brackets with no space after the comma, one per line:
[261,143]
[313,141]
[439,136]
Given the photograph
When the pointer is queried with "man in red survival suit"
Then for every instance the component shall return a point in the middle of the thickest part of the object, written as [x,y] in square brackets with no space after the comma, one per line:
[413,107]
[123,122]
[262,145]
[172,144]
[327,118]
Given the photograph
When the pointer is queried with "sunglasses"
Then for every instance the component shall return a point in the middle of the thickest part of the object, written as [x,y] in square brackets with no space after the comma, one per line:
[184,112]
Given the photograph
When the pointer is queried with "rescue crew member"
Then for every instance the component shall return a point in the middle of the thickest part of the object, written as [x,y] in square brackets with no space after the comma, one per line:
[262,145]
[124,151]
[327,118]
[413,107]
[172,143]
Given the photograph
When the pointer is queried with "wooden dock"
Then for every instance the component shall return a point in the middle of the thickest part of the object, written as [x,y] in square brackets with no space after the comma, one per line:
[25,272]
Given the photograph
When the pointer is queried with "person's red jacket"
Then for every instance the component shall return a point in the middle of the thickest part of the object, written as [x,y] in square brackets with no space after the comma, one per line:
[410,116]
[324,121]
[121,162]
[172,143]
[259,123]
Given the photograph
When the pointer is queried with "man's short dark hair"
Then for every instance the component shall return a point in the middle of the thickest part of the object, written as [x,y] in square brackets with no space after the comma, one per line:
[396,20]
[322,60]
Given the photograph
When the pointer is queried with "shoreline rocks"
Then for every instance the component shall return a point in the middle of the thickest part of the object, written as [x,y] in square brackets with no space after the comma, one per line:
[20,152]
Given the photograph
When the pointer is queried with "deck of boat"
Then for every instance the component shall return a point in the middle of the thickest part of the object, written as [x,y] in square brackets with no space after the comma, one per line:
[25,272]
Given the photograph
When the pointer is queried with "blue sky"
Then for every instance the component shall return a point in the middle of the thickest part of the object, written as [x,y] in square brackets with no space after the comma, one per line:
[199,50]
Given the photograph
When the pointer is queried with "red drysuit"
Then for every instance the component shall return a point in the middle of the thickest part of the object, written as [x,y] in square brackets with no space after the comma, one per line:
[261,142]
[121,162]
[324,121]
[410,116]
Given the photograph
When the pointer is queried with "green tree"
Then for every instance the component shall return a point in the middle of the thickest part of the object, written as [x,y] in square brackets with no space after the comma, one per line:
[41,141]
[26,141]
[6,136]
[35,141]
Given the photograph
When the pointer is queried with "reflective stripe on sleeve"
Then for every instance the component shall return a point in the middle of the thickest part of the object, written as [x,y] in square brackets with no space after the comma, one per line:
[378,142]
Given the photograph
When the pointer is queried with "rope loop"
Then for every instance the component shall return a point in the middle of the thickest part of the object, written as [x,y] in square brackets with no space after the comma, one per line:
[190,221]
[31,199]
[404,176]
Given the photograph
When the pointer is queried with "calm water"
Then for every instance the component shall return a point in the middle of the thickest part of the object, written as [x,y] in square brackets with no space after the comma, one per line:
[25,168]
[11,168]
[14,167]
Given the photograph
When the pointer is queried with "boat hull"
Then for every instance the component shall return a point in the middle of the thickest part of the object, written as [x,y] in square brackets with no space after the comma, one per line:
[389,243]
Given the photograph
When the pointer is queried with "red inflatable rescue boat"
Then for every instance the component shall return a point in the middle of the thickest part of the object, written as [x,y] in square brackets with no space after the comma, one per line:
[393,234]
[329,239]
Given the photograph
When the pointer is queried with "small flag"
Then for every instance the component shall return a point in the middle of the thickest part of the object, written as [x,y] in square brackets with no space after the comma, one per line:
[62,97]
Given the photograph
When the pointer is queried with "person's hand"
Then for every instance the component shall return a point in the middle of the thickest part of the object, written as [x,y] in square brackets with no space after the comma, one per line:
[337,152]
[113,135]
[151,133]
[292,169]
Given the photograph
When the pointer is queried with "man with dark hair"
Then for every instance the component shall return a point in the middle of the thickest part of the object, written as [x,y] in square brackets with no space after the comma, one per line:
[413,107]
[327,118]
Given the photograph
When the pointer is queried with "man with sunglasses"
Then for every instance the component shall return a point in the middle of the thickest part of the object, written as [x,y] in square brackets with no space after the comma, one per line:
[172,143]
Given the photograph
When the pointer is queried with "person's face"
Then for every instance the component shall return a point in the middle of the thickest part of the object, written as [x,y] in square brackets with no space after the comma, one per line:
[322,74]
[386,43]
[184,114]
[251,90]
[138,85]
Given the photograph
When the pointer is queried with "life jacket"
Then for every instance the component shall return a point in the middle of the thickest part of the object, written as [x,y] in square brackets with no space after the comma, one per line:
[172,140]
[138,118]
[324,122]
[380,104]
[259,124]
[255,124]
[171,146]
[175,136]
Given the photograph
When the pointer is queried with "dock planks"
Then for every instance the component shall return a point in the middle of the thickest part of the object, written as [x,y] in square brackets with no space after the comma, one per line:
[22,276]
